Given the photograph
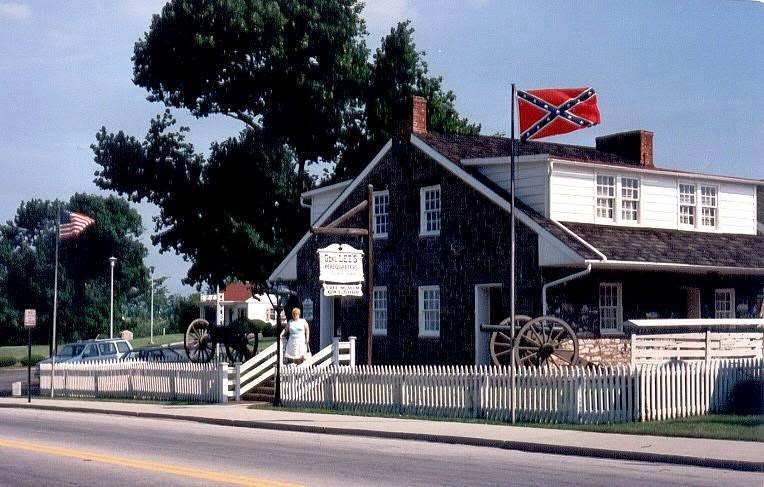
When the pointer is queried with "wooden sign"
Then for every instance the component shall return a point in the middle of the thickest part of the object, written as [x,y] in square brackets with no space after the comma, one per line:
[340,263]
[342,289]
[30,318]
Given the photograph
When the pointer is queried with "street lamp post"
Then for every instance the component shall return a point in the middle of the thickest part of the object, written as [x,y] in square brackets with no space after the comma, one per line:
[151,269]
[282,293]
[112,261]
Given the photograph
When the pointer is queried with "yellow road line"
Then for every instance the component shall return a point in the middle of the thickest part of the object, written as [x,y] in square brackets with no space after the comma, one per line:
[195,473]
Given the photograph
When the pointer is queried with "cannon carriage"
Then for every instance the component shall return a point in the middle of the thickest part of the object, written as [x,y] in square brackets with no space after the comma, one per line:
[546,340]
[240,340]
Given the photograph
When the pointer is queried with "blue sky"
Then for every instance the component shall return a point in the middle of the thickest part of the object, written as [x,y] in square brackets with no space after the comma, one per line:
[691,71]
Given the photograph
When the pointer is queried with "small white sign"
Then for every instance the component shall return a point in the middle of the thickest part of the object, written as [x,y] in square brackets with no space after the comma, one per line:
[340,263]
[30,318]
[342,289]
[204,298]
[307,309]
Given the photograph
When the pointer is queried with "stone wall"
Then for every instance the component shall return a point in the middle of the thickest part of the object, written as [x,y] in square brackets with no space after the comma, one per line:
[605,351]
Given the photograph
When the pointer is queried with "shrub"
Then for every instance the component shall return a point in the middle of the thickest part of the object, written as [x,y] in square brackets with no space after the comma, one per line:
[35,358]
[7,361]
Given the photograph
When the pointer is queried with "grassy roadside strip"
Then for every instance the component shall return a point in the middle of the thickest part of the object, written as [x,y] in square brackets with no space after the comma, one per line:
[717,427]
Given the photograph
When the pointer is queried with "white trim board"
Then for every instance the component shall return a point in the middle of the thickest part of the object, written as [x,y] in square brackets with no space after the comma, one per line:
[668,266]
[325,215]
[324,189]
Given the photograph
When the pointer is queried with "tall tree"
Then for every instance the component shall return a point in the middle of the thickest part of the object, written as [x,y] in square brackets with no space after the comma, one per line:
[397,73]
[27,261]
[290,70]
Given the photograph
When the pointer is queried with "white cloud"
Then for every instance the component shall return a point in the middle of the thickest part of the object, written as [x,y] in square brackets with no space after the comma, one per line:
[15,11]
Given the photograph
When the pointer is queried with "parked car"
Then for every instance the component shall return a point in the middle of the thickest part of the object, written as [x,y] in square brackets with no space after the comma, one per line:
[89,350]
[159,353]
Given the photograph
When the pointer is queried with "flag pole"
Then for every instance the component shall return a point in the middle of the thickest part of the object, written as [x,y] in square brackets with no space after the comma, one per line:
[512,250]
[53,347]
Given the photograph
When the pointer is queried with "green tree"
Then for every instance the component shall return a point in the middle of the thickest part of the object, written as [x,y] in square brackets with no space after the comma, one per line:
[27,263]
[290,70]
[398,72]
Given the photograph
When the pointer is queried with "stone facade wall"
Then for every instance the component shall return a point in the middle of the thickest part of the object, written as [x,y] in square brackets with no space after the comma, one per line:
[472,248]
[605,351]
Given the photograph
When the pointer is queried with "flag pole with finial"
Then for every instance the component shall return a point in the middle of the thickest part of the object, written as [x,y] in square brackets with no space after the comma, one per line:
[512,297]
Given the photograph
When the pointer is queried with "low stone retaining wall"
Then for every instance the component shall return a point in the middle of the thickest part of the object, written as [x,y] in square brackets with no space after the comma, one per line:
[605,351]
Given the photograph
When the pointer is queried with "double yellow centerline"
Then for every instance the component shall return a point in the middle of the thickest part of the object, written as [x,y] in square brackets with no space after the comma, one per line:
[190,472]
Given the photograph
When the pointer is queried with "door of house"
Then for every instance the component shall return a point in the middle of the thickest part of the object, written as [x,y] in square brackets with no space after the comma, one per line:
[326,314]
[693,302]
[488,310]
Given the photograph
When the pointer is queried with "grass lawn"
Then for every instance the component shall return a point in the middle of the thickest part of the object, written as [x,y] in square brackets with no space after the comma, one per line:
[717,426]
[158,340]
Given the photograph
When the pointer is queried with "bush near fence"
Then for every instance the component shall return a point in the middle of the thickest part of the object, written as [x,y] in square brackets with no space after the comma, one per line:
[546,395]
[135,379]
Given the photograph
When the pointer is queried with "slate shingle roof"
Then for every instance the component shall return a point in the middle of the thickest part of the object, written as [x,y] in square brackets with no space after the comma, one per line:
[673,246]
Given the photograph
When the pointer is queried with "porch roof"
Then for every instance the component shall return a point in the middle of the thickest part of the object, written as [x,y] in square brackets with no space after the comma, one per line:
[665,246]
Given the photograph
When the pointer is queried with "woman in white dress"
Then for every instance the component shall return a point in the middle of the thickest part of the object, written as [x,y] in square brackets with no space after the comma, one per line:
[299,337]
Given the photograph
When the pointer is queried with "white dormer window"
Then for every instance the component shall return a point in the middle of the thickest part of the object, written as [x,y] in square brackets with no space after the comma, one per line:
[708,205]
[605,197]
[381,213]
[429,211]
[687,204]
[630,199]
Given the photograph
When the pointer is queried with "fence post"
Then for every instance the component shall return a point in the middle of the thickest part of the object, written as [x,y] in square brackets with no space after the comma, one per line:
[633,348]
[336,351]
[708,345]
[222,382]
[352,351]
[237,384]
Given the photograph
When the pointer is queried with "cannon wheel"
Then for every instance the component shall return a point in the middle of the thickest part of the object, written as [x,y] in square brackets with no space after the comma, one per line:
[241,345]
[546,340]
[501,342]
[198,342]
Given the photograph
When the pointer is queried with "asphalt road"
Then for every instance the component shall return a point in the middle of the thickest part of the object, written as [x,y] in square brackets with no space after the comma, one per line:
[55,448]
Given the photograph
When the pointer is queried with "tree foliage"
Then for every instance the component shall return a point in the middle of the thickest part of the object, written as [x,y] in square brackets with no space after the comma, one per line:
[27,246]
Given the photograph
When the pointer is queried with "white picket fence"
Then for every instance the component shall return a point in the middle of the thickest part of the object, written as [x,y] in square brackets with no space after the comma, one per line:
[134,379]
[546,395]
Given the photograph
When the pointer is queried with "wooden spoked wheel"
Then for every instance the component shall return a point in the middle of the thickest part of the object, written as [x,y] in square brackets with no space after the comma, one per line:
[501,342]
[198,342]
[242,344]
[546,340]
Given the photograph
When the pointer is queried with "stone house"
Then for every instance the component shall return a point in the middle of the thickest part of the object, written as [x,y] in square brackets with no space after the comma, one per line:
[603,236]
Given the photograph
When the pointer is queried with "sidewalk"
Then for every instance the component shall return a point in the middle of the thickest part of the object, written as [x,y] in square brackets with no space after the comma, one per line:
[737,455]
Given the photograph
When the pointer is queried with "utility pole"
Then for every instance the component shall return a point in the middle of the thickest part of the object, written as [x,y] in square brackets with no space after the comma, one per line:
[151,276]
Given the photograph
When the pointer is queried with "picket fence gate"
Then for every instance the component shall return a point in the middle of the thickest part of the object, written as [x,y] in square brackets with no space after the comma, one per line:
[546,395]
[136,379]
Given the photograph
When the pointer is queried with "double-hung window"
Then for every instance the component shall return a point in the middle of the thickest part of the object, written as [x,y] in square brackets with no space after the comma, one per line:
[630,199]
[724,303]
[605,197]
[381,213]
[380,310]
[687,204]
[429,211]
[708,205]
[429,311]
[611,307]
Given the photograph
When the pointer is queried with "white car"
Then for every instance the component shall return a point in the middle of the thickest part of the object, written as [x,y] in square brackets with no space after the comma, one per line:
[90,350]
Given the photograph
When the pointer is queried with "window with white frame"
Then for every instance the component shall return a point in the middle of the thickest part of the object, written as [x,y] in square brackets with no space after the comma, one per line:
[381,213]
[687,204]
[429,206]
[380,310]
[605,197]
[429,311]
[611,307]
[724,303]
[708,205]
[630,199]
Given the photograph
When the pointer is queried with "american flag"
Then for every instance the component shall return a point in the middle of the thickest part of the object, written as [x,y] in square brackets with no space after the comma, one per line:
[76,224]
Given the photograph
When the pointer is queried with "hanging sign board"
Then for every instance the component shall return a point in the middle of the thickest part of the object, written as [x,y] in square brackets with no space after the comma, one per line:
[30,318]
[342,289]
[340,263]
[211,297]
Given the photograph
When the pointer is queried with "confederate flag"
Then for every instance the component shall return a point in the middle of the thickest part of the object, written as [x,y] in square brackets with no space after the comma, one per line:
[556,111]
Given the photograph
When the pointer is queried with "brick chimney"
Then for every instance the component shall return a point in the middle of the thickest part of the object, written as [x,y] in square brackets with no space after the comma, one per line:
[419,115]
[635,147]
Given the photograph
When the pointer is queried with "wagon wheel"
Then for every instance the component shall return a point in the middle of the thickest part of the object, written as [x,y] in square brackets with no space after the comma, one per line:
[546,340]
[198,342]
[501,342]
[241,344]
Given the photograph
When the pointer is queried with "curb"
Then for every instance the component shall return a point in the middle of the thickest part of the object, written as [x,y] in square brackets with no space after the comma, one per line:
[524,446]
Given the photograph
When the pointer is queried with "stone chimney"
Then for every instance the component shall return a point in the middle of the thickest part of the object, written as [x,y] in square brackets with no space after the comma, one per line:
[635,147]
[419,115]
